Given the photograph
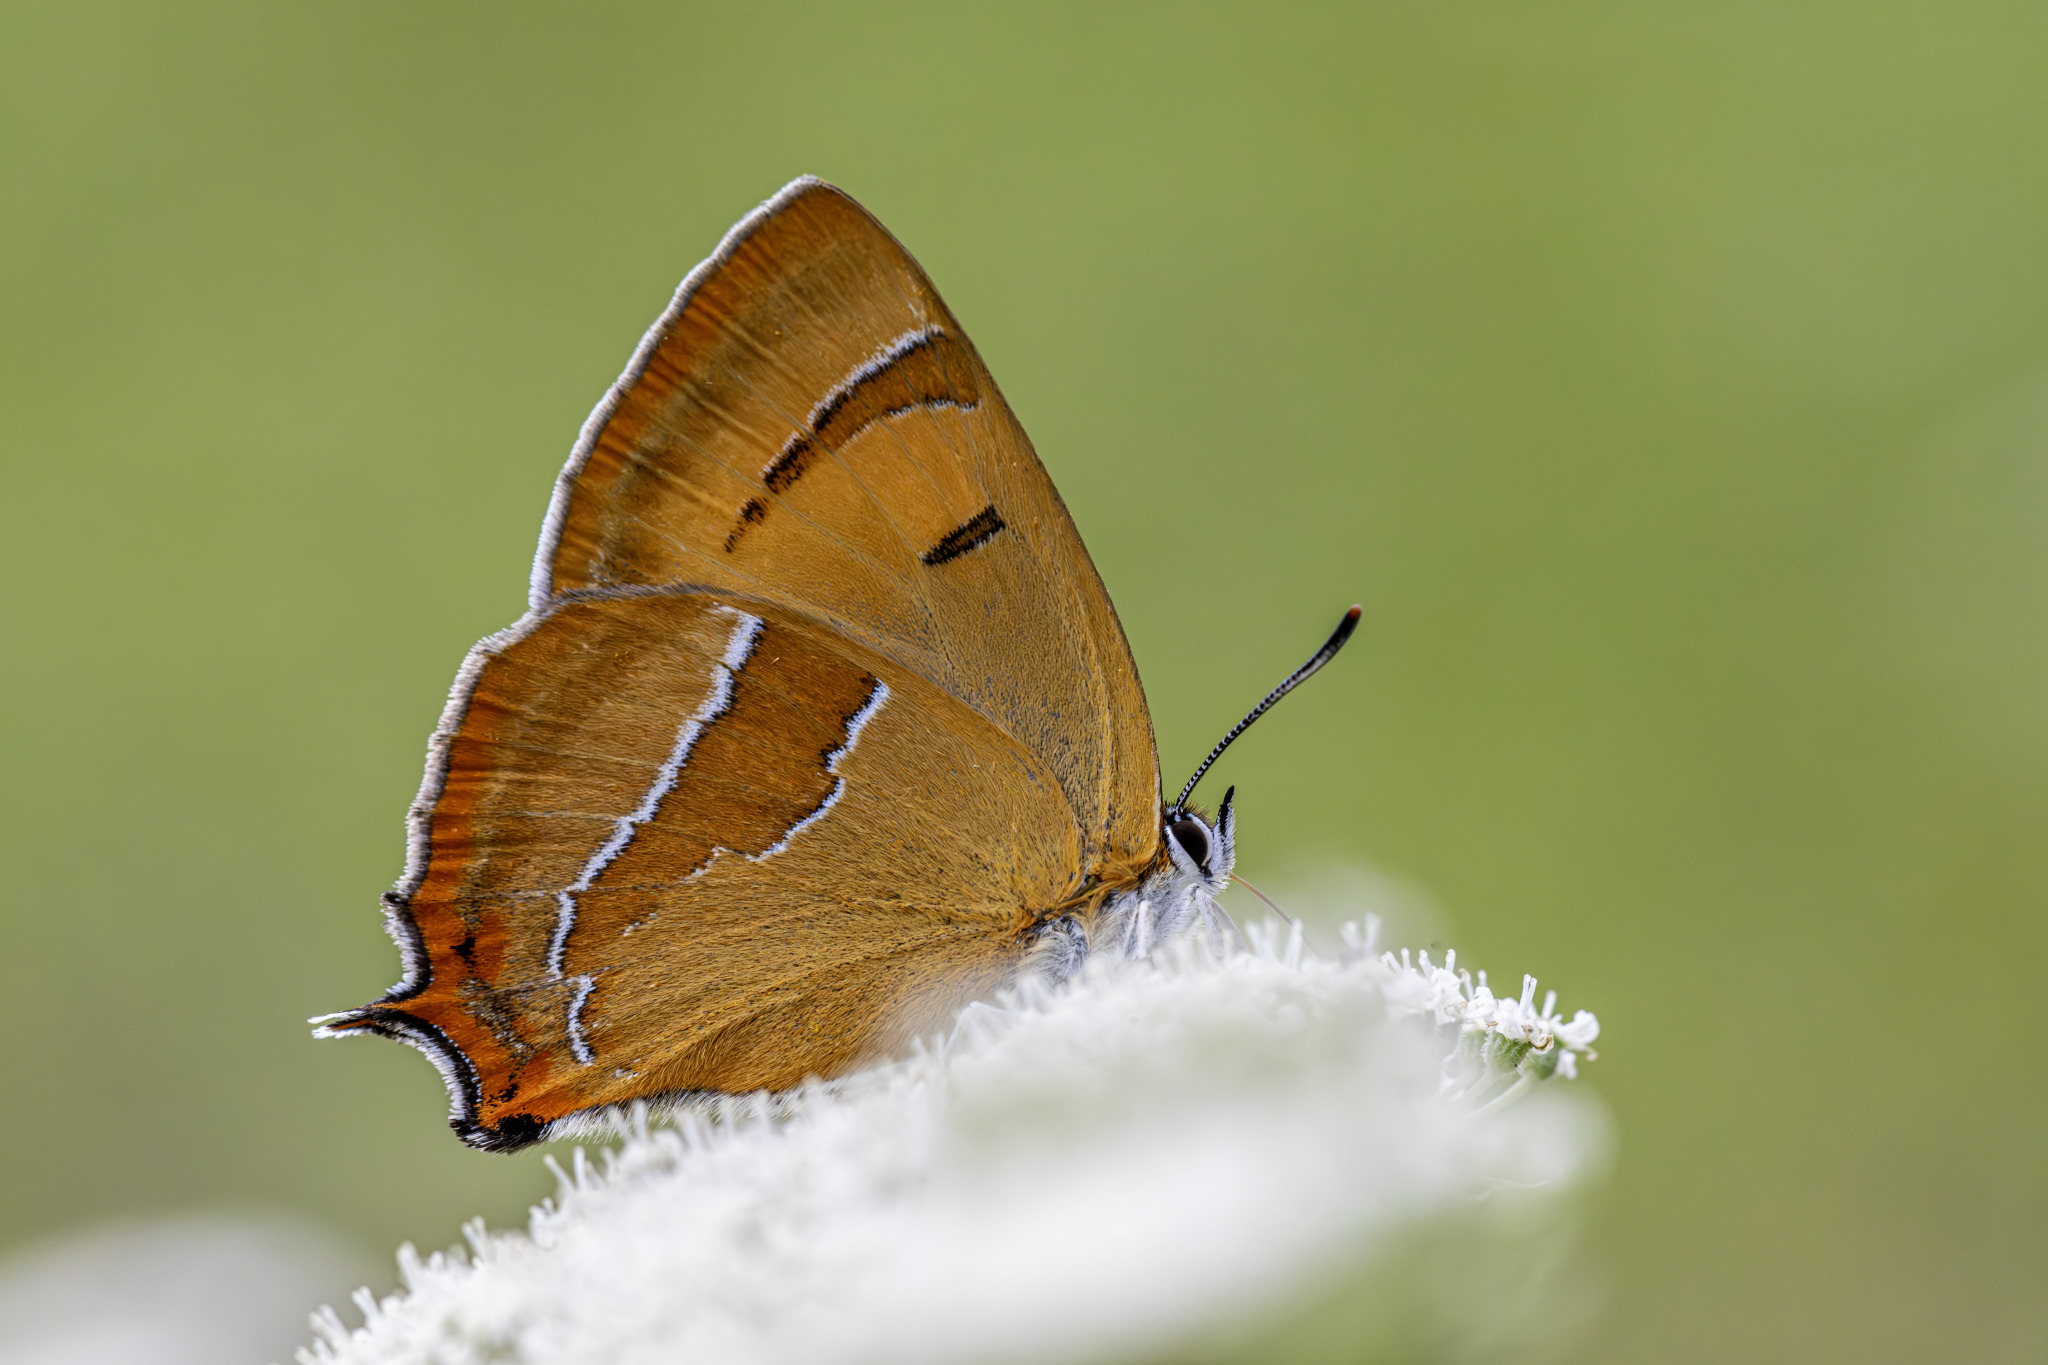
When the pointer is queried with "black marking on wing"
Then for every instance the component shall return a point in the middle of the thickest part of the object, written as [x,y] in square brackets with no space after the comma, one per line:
[754,510]
[922,369]
[786,468]
[510,1132]
[976,530]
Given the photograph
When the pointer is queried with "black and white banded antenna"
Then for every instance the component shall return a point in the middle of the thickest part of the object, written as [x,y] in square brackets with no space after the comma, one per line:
[1287,684]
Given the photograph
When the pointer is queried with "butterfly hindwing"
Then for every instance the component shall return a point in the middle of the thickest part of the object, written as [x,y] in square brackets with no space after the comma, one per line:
[686,842]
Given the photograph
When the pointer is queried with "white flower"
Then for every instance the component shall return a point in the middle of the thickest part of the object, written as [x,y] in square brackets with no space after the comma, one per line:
[1415,986]
[1267,1156]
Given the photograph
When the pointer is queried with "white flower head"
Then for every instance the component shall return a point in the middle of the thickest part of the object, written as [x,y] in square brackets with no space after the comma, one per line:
[1262,1155]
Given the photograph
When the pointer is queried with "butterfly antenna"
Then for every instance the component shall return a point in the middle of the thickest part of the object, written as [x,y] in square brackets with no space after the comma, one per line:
[1288,684]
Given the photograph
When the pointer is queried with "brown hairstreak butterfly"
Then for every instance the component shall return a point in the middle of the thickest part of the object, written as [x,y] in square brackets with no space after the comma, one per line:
[819,723]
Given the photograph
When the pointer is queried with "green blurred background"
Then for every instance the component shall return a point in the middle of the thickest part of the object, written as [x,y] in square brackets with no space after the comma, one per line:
[1669,381]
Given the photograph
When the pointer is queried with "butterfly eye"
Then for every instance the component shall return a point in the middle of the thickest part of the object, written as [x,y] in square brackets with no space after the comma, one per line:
[1193,839]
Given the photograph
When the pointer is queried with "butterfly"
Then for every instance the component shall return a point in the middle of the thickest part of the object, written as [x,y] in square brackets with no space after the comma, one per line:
[819,724]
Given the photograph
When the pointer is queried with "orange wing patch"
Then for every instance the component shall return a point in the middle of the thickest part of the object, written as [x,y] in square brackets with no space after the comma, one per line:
[754,767]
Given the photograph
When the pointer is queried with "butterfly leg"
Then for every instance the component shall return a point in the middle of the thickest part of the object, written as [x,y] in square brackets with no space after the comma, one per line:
[1143,929]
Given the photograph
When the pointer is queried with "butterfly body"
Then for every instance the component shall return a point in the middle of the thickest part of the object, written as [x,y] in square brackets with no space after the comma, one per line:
[819,724]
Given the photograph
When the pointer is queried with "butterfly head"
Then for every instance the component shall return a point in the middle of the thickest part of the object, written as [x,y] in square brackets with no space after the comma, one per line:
[1198,848]
[1202,851]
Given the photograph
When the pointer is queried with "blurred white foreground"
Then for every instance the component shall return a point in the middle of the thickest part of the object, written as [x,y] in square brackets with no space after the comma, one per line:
[1267,1157]
[204,1289]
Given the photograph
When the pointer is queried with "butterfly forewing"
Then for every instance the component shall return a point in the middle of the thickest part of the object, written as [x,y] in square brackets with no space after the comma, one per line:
[810,424]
